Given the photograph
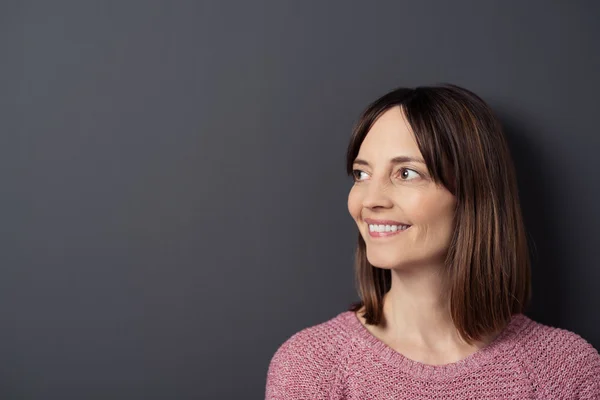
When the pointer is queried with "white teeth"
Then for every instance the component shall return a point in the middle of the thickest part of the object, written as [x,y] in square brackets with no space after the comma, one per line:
[387,228]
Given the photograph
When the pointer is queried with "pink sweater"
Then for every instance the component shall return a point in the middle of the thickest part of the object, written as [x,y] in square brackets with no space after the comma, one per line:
[341,359]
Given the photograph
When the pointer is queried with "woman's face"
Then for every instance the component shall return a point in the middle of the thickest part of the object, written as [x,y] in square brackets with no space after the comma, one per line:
[402,192]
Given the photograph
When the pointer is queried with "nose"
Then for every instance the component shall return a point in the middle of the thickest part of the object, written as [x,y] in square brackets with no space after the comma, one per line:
[377,194]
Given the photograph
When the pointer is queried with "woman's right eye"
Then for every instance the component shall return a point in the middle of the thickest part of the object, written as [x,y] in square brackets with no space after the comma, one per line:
[356,173]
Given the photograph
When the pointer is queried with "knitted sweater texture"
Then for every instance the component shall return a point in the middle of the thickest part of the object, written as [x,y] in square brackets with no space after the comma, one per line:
[341,359]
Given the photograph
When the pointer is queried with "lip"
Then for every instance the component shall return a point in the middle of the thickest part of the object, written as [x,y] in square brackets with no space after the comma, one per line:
[385,234]
[383,222]
[370,221]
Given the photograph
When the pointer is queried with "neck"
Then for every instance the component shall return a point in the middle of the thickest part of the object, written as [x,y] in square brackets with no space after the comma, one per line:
[415,310]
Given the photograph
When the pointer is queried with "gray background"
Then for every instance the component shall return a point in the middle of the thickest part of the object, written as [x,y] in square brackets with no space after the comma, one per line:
[173,185]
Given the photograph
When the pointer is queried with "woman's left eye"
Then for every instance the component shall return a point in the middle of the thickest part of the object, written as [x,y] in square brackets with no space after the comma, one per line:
[405,171]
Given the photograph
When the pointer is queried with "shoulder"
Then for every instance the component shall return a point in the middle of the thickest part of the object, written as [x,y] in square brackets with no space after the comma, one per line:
[309,363]
[560,362]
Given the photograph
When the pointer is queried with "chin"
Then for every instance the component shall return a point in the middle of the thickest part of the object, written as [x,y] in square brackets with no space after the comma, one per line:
[385,262]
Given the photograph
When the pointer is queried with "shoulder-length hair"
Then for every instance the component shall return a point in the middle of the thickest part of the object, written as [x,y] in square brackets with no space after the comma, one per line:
[487,273]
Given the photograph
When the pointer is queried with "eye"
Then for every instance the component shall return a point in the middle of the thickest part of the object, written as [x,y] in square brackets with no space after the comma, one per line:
[405,174]
[356,174]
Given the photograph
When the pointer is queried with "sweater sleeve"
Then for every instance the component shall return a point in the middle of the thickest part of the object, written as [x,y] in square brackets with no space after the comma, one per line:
[564,366]
[306,366]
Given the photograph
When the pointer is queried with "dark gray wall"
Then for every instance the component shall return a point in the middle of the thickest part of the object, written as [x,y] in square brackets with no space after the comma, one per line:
[172,174]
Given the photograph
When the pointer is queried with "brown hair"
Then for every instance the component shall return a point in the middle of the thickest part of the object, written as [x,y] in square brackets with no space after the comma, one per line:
[487,264]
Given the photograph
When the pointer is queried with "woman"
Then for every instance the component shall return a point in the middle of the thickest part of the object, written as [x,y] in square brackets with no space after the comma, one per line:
[442,271]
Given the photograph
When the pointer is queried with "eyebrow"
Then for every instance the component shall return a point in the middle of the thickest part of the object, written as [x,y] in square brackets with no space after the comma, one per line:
[395,160]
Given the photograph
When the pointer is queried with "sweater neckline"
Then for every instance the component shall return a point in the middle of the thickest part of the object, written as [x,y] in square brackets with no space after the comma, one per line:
[503,341]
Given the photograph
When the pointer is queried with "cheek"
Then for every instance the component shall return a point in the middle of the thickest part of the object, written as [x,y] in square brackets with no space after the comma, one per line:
[434,214]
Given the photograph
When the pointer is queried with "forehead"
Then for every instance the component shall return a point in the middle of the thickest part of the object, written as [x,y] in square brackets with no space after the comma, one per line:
[390,136]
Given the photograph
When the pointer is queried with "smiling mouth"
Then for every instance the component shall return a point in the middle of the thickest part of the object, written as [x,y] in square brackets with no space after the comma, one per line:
[377,231]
